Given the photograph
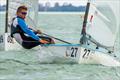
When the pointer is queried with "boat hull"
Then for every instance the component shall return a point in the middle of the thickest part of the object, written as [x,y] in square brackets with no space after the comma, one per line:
[7,43]
[74,54]
[68,53]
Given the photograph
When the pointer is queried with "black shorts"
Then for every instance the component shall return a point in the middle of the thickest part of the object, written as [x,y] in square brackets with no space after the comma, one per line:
[29,42]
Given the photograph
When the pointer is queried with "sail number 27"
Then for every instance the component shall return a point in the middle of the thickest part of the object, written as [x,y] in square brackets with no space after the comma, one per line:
[74,51]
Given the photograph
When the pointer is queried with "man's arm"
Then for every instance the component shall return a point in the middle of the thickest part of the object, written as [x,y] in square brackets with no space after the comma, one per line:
[36,31]
[25,28]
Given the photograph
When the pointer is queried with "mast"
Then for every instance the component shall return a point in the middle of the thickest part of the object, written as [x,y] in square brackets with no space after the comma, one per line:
[6,23]
[83,39]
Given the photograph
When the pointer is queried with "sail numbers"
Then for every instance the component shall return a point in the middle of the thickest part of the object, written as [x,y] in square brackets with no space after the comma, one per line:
[74,51]
[86,53]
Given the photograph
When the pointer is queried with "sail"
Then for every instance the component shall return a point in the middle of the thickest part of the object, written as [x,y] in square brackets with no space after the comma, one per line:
[103,21]
[117,42]
[32,10]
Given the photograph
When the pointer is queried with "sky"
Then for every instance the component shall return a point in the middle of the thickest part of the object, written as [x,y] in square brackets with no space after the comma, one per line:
[74,2]
[2,2]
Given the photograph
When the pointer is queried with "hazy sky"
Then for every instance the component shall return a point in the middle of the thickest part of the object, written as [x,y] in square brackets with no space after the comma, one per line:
[2,2]
[74,2]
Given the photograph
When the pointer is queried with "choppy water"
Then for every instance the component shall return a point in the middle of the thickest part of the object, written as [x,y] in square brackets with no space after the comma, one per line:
[24,65]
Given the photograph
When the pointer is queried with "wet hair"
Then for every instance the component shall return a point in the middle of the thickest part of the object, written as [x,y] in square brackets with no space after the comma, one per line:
[21,8]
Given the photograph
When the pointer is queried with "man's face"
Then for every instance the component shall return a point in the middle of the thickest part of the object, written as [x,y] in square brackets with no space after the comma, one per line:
[22,13]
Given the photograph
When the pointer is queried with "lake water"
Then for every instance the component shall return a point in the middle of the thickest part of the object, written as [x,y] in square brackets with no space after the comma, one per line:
[24,64]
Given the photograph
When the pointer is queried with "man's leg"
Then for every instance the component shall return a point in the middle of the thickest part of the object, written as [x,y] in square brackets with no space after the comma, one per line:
[25,41]
[29,42]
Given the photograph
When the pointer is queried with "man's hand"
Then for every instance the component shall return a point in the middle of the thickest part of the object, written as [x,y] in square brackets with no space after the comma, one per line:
[38,31]
[43,41]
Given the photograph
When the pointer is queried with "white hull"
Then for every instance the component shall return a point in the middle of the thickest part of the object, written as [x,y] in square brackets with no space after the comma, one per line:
[74,54]
[7,43]
[62,54]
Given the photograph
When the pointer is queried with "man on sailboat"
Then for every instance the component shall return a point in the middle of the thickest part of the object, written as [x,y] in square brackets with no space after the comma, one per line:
[24,35]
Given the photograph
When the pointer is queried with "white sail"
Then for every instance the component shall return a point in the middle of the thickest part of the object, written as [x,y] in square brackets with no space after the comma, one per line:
[103,21]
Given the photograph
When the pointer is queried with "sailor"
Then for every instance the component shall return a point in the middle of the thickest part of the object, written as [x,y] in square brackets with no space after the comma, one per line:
[24,35]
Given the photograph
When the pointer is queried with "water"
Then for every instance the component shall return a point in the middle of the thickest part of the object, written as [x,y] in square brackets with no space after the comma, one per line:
[24,64]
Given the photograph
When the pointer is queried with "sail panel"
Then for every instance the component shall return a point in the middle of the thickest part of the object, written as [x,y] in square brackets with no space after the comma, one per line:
[103,22]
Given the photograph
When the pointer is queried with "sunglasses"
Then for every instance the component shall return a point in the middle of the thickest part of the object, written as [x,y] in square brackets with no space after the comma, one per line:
[24,13]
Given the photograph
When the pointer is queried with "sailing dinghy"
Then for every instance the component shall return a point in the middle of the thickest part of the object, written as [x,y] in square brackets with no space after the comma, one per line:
[97,39]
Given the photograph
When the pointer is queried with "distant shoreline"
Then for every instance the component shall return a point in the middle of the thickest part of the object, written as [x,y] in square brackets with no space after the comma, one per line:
[3,12]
